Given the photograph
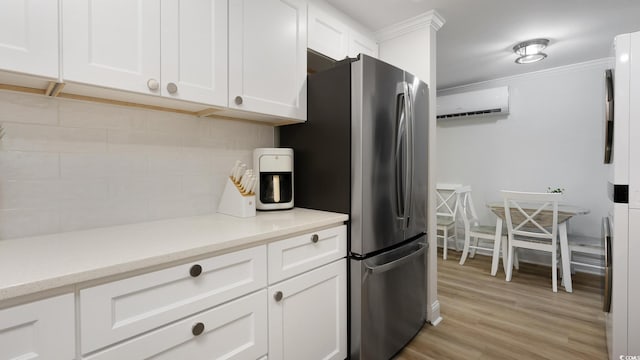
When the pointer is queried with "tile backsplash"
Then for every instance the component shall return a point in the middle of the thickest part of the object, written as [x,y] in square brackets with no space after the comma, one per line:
[69,165]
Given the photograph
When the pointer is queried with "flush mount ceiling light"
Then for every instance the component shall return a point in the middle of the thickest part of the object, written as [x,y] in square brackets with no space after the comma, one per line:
[530,51]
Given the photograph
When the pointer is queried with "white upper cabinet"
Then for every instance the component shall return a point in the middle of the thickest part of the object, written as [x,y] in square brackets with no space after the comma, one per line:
[360,44]
[128,45]
[267,57]
[327,35]
[331,37]
[112,43]
[29,37]
[194,50]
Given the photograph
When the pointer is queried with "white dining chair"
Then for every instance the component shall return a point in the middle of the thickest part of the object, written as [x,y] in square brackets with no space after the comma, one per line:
[474,232]
[532,223]
[585,245]
[446,211]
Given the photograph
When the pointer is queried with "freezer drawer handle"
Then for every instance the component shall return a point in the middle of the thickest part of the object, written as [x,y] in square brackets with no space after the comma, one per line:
[395,263]
[278,295]
[315,238]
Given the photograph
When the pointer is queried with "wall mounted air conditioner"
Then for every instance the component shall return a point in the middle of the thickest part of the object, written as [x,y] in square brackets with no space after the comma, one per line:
[485,102]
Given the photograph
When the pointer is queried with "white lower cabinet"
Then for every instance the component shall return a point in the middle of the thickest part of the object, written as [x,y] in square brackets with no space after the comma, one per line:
[221,307]
[39,330]
[236,330]
[308,315]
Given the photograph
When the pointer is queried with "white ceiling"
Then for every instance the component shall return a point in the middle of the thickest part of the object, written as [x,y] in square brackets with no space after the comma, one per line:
[476,41]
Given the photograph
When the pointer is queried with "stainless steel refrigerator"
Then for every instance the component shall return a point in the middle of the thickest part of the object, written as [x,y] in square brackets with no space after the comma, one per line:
[363,151]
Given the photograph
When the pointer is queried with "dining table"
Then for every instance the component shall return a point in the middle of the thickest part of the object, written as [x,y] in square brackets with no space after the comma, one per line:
[565,212]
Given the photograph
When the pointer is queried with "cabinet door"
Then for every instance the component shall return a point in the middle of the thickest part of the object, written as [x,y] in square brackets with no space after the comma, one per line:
[237,330]
[307,315]
[29,37]
[360,44]
[268,57]
[194,50]
[112,43]
[327,35]
[39,330]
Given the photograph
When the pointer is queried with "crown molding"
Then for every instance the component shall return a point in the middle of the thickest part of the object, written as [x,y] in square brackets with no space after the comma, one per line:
[608,61]
[430,18]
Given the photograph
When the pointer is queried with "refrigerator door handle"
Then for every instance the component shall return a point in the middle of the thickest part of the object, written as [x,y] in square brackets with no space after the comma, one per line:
[395,263]
[408,189]
[401,120]
[606,235]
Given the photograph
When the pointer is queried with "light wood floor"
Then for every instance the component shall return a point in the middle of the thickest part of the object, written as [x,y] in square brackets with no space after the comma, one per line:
[488,318]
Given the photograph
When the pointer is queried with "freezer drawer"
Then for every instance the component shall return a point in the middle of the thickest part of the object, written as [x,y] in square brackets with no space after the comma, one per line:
[388,300]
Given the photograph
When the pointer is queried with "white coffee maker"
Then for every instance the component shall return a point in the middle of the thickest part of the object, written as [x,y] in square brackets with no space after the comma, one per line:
[274,166]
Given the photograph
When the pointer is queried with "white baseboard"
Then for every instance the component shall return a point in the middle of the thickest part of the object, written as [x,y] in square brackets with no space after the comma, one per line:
[434,316]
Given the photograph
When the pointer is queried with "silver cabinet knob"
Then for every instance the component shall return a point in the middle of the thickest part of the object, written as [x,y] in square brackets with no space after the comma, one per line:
[278,295]
[153,84]
[315,238]
[172,88]
[238,100]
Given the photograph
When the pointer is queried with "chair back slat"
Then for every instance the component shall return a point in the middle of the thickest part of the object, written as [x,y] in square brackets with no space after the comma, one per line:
[447,202]
[465,207]
[531,214]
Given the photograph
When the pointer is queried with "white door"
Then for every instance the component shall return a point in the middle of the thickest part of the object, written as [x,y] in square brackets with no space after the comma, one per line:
[308,315]
[112,43]
[43,329]
[194,50]
[327,35]
[360,44]
[268,57]
[29,37]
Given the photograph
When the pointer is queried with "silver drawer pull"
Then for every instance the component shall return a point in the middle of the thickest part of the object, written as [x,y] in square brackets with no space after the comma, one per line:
[238,100]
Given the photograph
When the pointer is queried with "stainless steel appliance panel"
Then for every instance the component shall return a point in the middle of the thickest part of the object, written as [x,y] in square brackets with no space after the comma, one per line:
[419,132]
[378,117]
[387,306]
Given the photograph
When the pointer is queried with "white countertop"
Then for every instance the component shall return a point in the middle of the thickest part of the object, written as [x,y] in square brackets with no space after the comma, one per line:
[39,263]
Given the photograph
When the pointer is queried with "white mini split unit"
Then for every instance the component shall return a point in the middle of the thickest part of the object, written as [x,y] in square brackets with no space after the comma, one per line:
[487,102]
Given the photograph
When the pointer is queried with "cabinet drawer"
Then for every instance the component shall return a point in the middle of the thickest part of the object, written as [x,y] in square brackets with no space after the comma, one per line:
[39,330]
[296,255]
[236,330]
[121,309]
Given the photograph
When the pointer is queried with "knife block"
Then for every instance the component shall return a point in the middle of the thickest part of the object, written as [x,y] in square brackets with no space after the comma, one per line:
[234,203]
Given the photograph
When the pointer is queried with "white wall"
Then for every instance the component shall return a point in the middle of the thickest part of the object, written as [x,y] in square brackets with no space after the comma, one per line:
[553,137]
[410,52]
[68,165]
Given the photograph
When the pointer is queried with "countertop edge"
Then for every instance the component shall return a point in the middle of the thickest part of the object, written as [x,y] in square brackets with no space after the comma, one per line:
[8,293]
